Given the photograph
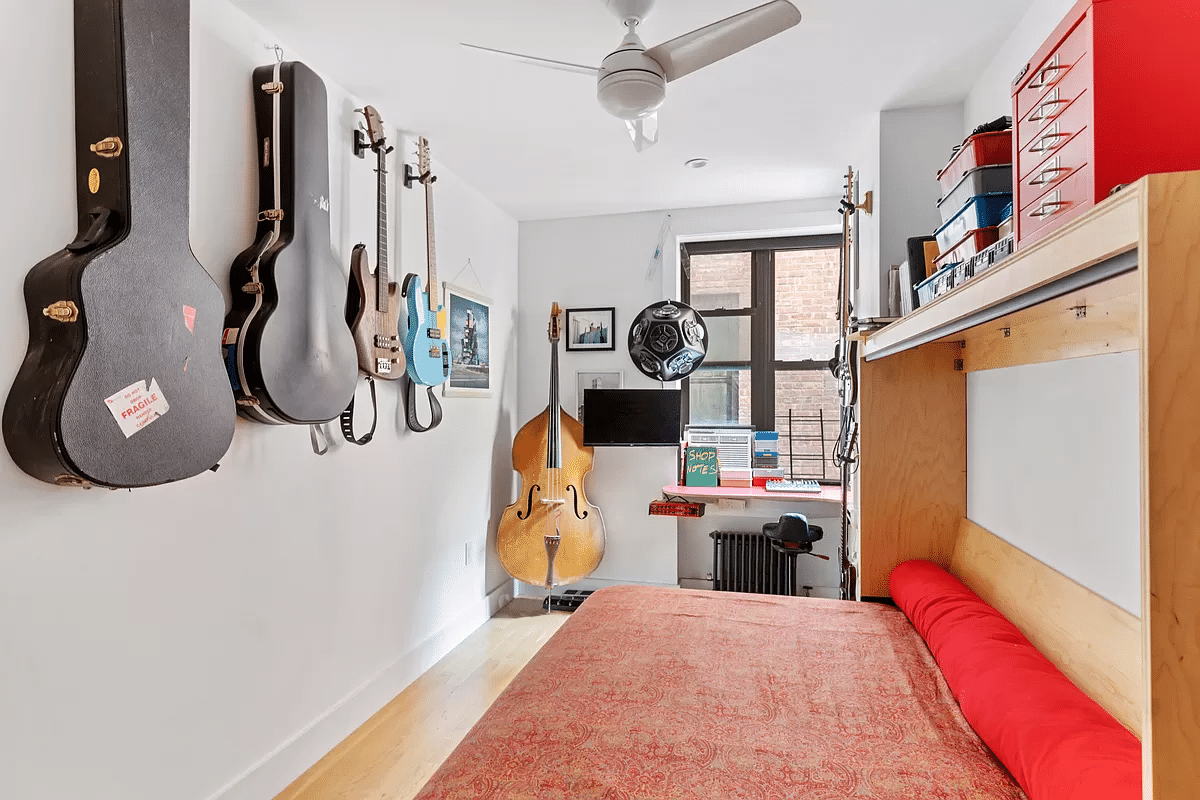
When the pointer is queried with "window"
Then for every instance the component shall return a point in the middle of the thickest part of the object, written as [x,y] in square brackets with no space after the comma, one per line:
[771,310]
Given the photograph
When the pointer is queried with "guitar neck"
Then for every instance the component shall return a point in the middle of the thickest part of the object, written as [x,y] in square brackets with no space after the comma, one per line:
[382,279]
[430,247]
[553,432]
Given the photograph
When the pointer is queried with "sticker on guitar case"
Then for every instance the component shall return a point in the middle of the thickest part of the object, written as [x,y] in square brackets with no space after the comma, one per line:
[137,405]
[189,317]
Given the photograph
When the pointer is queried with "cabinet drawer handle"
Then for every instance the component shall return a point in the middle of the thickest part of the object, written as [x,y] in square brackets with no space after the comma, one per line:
[1046,74]
[1048,141]
[1050,207]
[1046,107]
[1049,174]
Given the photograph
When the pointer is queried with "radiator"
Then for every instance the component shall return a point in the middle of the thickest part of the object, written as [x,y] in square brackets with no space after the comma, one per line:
[746,562]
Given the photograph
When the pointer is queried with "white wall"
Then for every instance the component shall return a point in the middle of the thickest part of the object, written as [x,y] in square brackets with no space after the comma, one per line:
[1052,465]
[991,97]
[914,144]
[215,637]
[603,261]
[1059,481]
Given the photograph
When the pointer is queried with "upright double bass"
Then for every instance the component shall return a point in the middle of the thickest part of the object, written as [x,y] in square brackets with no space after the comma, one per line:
[552,535]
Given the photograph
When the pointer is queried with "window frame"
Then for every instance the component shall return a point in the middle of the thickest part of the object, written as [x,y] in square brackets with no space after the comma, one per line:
[762,364]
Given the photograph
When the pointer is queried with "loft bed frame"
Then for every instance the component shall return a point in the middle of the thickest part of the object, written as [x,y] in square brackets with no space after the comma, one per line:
[1123,277]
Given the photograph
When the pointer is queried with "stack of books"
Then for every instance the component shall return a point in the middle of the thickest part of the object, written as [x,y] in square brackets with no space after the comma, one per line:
[766,457]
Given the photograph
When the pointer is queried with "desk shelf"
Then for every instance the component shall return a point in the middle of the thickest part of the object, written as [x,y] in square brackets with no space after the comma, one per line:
[711,494]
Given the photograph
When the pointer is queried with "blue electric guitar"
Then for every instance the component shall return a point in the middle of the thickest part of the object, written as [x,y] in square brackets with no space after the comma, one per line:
[426,347]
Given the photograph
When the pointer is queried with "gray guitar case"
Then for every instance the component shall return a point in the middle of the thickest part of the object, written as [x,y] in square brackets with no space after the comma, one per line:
[122,384]
[289,352]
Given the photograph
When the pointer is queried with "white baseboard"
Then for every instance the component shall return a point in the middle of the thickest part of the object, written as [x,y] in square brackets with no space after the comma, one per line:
[306,747]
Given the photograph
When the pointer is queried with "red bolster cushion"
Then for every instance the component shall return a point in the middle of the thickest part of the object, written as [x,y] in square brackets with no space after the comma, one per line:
[1056,741]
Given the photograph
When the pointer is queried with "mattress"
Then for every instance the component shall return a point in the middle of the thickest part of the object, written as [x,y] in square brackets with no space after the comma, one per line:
[669,693]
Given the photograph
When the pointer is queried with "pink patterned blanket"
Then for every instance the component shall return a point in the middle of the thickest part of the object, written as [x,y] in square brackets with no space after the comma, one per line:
[669,693]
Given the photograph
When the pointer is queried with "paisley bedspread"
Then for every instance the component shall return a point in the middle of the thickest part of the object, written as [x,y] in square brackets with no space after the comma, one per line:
[671,693]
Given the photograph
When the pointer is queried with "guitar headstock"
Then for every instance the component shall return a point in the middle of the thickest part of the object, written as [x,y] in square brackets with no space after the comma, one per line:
[555,329]
[423,164]
[375,132]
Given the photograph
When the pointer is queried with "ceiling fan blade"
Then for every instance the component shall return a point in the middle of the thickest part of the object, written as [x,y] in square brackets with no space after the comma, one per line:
[565,66]
[644,131]
[686,54]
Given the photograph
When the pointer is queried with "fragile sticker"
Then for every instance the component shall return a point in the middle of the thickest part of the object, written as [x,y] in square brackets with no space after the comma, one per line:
[189,318]
[230,336]
[137,405]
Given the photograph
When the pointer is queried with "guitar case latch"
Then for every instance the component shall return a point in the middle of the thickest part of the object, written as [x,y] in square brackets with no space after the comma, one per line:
[62,311]
[253,288]
[272,214]
[108,148]
[273,87]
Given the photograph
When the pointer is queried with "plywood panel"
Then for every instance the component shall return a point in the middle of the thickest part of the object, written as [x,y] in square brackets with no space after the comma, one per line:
[1096,643]
[1098,319]
[1170,386]
[913,473]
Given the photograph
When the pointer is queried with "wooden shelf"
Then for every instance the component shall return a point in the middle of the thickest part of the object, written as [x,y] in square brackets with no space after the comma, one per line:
[1100,245]
[828,494]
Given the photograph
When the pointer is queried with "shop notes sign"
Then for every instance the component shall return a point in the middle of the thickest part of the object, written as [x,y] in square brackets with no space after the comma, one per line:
[701,467]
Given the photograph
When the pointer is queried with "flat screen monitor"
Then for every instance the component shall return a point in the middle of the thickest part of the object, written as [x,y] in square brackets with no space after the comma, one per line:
[631,417]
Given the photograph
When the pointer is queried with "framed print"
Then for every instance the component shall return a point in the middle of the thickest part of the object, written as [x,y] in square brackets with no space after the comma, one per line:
[590,329]
[595,379]
[468,316]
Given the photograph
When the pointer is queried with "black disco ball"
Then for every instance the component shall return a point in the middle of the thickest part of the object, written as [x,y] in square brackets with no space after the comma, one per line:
[668,340]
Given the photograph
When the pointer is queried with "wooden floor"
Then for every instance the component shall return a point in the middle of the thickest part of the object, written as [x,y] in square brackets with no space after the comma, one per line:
[395,752]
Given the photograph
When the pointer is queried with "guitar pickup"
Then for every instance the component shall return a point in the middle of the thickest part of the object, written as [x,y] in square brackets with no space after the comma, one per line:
[434,333]
[435,351]
[386,342]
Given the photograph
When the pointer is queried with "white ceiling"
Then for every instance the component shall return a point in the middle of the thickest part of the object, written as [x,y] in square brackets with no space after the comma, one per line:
[779,121]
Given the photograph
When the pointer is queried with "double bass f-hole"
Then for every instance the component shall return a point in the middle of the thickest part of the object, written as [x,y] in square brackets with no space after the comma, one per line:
[575,497]
[529,502]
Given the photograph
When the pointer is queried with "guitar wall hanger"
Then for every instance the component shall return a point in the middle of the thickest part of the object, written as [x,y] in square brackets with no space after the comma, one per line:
[362,144]
[412,175]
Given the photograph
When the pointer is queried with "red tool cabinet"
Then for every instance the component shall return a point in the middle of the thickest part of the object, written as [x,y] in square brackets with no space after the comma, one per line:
[1113,94]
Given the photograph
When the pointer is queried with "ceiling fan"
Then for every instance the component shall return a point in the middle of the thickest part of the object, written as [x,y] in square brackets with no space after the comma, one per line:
[631,81]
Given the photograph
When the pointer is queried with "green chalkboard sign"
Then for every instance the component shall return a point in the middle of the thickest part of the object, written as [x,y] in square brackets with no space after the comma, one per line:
[701,467]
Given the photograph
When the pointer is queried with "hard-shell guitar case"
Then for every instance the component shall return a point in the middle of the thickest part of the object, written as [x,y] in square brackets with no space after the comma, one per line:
[122,384]
[289,351]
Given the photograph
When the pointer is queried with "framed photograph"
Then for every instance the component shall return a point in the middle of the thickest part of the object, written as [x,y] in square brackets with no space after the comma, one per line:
[610,379]
[467,319]
[591,329]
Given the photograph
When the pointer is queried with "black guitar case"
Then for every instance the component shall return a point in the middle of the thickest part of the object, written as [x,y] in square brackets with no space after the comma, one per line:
[289,351]
[122,384]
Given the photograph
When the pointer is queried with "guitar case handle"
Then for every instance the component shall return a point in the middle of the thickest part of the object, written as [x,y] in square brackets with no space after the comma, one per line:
[410,407]
[96,233]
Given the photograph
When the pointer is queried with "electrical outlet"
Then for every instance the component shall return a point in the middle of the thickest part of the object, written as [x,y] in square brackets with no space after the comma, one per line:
[730,504]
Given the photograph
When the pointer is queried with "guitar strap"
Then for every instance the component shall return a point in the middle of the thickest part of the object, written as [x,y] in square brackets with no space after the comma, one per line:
[410,407]
[316,435]
[347,419]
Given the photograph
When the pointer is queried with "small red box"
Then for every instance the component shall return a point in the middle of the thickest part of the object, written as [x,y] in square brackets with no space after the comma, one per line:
[675,508]
[980,150]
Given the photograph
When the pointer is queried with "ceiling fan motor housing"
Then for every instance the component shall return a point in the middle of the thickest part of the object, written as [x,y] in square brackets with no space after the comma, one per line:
[632,85]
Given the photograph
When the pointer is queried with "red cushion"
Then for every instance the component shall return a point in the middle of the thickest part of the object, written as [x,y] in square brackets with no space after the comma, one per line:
[1056,741]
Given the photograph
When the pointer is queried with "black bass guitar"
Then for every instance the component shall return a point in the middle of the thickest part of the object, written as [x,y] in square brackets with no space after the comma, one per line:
[290,354]
[122,385]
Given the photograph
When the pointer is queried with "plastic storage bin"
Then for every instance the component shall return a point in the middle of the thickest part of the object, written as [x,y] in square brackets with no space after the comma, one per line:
[967,247]
[936,285]
[979,150]
[983,211]
[993,179]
